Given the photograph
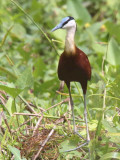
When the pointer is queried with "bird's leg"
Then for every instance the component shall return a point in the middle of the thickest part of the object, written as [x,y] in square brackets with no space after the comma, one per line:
[85,117]
[86,123]
[72,108]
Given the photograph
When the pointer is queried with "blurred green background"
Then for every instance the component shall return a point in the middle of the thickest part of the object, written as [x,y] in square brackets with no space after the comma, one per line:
[28,66]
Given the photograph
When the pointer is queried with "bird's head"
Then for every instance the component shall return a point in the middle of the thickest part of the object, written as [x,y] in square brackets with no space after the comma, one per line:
[66,23]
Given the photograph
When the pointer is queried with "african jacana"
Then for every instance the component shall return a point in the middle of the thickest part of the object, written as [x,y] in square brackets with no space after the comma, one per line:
[74,66]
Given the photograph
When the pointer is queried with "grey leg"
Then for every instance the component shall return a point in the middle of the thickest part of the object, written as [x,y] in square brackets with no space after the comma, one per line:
[72,108]
[85,117]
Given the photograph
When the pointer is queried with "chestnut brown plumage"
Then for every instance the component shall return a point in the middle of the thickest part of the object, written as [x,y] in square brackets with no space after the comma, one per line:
[74,66]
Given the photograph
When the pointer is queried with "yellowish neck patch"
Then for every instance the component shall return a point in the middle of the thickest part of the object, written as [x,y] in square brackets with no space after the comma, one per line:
[69,42]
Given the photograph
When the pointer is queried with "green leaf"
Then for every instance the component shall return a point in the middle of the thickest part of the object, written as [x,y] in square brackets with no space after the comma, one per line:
[61,36]
[95,27]
[9,105]
[2,54]
[115,87]
[112,131]
[39,68]
[10,89]
[114,30]
[78,11]
[18,31]
[24,50]
[11,74]
[99,48]
[70,144]
[113,4]
[25,79]
[16,153]
[44,87]
[109,126]
[113,54]
[115,155]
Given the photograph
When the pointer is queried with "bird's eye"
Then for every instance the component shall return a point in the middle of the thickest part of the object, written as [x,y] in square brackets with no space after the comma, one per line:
[65,22]
[71,18]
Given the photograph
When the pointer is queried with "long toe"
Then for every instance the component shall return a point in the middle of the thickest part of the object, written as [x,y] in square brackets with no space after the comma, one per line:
[75,132]
[84,144]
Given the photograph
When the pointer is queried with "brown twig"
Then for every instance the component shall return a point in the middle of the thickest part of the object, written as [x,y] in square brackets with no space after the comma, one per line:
[5,119]
[1,128]
[24,122]
[37,125]
[42,109]
[48,137]
[3,100]
[43,144]
[28,106]
[37,115]
[65,100]
[27,114]
[62,83]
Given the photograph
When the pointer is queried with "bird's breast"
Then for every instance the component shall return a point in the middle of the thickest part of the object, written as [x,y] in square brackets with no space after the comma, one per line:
[67,69]
[74,68]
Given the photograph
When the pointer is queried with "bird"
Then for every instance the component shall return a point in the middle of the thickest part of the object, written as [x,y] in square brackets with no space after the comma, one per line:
[74,66]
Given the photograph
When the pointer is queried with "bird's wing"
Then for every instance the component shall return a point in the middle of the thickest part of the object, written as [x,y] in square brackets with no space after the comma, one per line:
[83,63]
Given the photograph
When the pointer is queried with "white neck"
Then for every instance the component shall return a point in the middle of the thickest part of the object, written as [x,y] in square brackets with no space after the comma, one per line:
[69,42]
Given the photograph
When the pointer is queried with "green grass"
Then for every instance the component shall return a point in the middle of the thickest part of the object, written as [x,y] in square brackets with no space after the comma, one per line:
[30,107]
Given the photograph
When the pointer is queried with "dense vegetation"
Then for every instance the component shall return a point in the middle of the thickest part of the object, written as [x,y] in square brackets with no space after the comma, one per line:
[29,55]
